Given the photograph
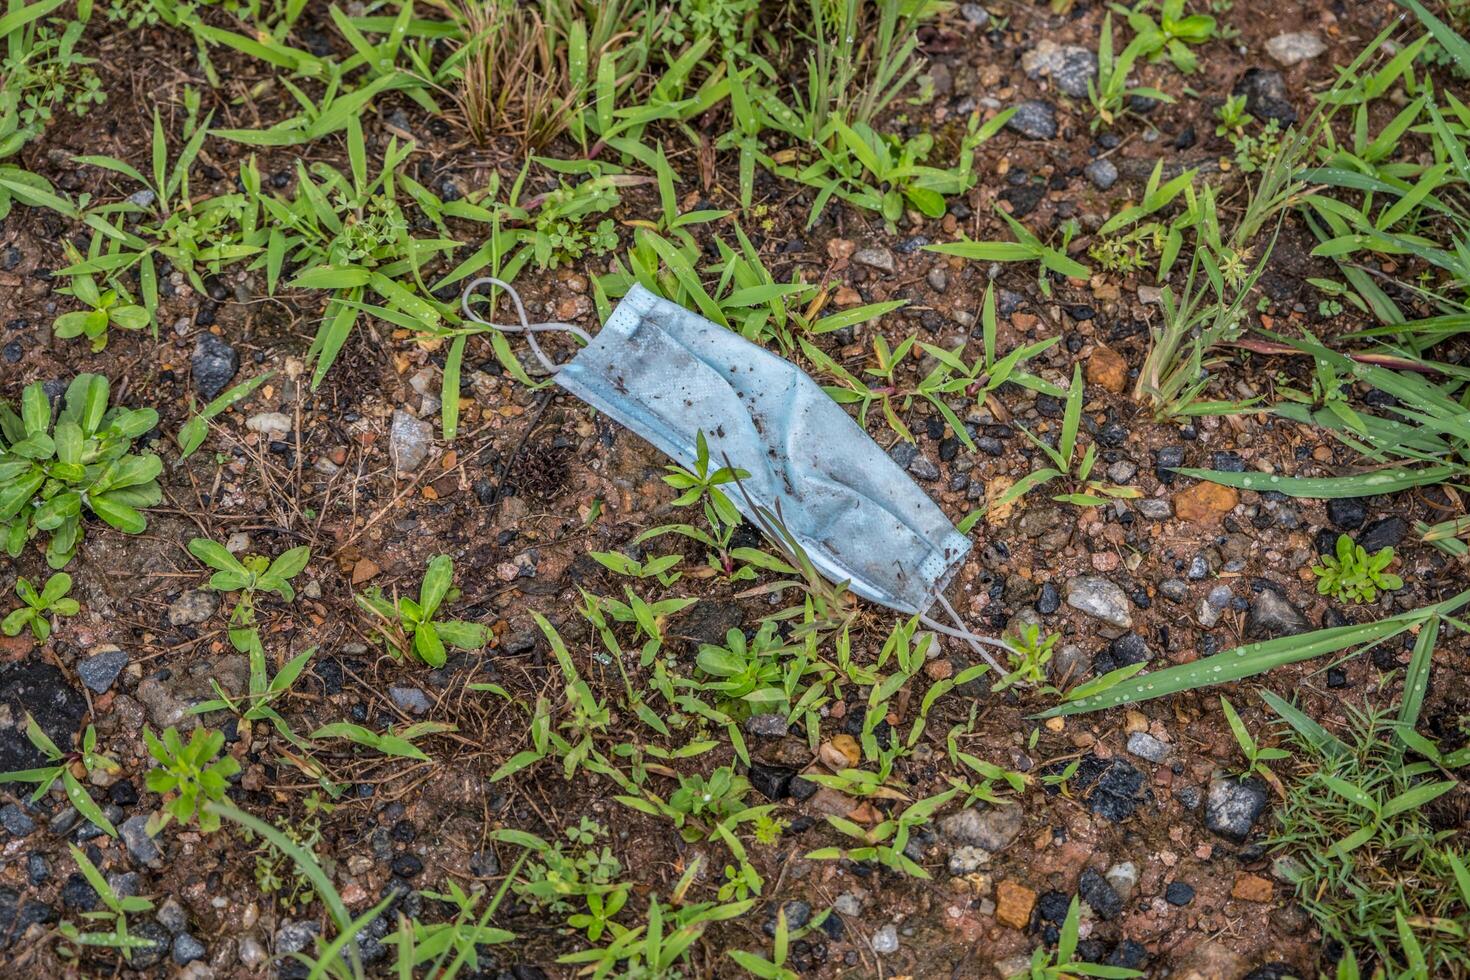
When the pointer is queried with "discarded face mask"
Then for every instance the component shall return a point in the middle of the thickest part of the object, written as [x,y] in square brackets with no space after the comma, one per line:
[668,375]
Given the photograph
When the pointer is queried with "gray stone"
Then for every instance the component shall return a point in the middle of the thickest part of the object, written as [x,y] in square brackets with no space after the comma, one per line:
[192,608]
[1102,172]
[1295,47]
[1122,471]
[1100,598]
[1272,614]
[1174,589]
[17,822]
[141,847]
[1034,119]
[1233,805]
[409,442]
[938,278]
[294,937]
[974,14]
[187,949]
[100,670]
[143,198]
[766,725]
[1155,508]
[992,828]
[252,953]
[409,699]
[272,425]
[214,364]
[1145,746]
[877,258]
[885,940]
[923,468]
[171,916]
[1069,67]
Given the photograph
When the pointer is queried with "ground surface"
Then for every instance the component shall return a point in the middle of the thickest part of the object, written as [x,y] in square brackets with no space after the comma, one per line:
[512,501]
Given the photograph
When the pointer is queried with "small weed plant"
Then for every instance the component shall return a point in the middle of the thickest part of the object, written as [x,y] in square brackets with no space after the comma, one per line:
[41,608]
[1350,574]
[412,624]
[54,470]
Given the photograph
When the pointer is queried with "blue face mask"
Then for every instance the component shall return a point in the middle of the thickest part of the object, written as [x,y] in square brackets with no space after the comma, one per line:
[668,375]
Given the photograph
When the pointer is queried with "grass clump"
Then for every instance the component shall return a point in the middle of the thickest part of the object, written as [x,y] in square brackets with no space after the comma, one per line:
[1367,839]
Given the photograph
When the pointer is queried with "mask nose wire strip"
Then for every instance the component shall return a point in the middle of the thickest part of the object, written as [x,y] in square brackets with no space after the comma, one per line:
[959,632]
[525,326]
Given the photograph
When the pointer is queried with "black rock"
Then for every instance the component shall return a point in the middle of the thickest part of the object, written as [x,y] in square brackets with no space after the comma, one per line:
[158,943]
[215,363]
[1099,893]
[1179,893]
[1265,96]
[38,869]
[1023,199]
[1048,406]
[407,866]
[1347,512]
[1113,435]
[79,895]
[1052,907]
[38,688]
[1384,533]
[1048,600]
[798,914]
[802,789]
[1165,460]
[1233,806]
[1336,677]
[1118,792]
[1274,971]
[13,352]
[1325,541]
[1227,462]
[1186,138]
[1128,954]
[17,915]
[772,782]
[1034,119]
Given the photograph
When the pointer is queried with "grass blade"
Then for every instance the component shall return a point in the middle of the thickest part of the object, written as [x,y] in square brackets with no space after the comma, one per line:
[1254,658]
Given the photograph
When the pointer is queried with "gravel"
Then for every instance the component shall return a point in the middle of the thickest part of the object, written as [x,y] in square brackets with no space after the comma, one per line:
[1179,893]
[1233,806]
[885,940]
[410,699]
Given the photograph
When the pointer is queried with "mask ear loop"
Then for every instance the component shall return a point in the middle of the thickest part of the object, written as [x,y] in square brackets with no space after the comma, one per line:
[959,632]
[525,326]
